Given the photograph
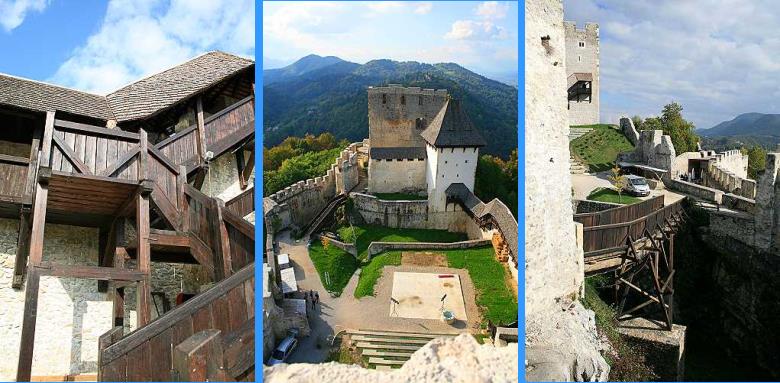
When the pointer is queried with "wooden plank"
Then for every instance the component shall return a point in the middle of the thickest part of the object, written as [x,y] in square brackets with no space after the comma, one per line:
[220,308]
[99,130]
[139,363]
[181,180]
[104,341]
[22,248]
[237,308]
[238,349]
[199,358]
[143,254]
[56,155]
[14,159]
[115,371]
[160,349]
[164,160]
[179,135]
[48,131]
[165,208]
[201,142]
[221,239]
[100,154]
[239,223]
[70,156]
[117,165]
[202,319]
[203,254]
[89,153]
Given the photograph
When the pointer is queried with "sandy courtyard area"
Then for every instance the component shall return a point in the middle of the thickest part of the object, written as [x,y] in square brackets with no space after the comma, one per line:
[419,295]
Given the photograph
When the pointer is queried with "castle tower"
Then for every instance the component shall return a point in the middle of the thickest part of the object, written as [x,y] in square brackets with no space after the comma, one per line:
[582,73]
[396,117]
[452,147]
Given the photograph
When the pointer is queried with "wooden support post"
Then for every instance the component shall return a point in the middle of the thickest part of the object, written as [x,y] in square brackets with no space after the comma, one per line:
[120,255]
[201,139]
[144,293]
[24,367]
[22,248]
[32,168]
[199,358]
[221,239]
[184,209]
[240,165]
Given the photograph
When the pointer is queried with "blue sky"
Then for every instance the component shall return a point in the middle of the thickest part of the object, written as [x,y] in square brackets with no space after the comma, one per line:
[481,36]
[99,46]
[717,59]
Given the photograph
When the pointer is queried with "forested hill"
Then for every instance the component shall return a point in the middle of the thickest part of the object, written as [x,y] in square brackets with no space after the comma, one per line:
[326,94]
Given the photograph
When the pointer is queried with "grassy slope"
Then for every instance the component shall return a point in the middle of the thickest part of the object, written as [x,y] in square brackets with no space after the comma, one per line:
[493,295]
[339,264]
[370,233]
[599,148]
[610,195]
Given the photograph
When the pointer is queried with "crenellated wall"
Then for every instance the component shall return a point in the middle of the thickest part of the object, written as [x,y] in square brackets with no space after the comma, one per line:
[298,204]
[728,171]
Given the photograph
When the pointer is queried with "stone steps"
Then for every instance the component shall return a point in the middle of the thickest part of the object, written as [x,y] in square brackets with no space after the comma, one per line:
[366,345]
[576,167]
[386,362]
[369,352]
[361,338]
[398,334]
[575,133]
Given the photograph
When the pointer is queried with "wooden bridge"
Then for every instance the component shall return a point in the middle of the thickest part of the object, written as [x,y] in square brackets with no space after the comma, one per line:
[632,241]
[86,175]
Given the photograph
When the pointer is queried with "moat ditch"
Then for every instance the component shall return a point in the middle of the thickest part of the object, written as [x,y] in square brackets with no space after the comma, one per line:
[729,300]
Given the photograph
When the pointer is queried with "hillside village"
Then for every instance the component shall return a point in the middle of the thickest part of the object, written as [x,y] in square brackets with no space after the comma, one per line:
[631,269]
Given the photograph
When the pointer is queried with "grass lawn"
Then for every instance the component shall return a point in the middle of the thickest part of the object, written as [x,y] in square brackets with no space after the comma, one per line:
[373,270]
[400,197]
[610,195]
[494,297]
[364,235]
[599,148]
[339,264]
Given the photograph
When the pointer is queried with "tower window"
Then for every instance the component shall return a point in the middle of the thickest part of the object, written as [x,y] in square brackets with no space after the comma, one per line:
[403,100]
[419,100]
[384,99]
[579,58]
[419,123]
[581,44]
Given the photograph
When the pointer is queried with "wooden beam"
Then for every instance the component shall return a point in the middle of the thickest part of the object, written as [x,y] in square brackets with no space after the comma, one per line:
[91,272]
[71,156]
[32,168]
[184,207]
[48,132]
[113,168]
[22,248]
[24,366]
[120,256]
[199,358]
[165,208]
[144,261]
[84,128]
[221,239]
[164,160]
[168,240]
[247,172]
[203,254]
[239,223]
[240,166]
[201,130]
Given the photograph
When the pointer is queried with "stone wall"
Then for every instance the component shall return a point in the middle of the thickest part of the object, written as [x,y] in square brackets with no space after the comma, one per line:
[733,225]
[72,314]
[411,214]
[378,247]
[698,191]
[728,171]
[654,149]
[561,339]
[583,59]
[587,206]
[628,129]
[397,176]
[736,202]
[298,204]
[393,112]
[222,179]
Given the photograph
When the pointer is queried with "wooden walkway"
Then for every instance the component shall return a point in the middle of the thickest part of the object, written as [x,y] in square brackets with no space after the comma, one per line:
[631,241]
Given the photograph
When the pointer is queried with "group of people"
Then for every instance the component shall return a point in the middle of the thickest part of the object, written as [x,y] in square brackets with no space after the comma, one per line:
[314,298]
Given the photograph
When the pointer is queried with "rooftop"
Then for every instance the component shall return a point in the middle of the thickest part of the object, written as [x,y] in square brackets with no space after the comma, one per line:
[452,128]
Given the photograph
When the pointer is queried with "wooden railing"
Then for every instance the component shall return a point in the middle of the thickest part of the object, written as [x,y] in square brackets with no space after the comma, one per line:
[163,350]
[228,126]
[182,148]
[620,214]
[13,178]
[613,237]
[242,204]
[91,150]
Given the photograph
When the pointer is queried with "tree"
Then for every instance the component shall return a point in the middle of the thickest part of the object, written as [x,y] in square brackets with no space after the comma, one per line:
[618,180]
[756,160]
[672,123]
[637,122]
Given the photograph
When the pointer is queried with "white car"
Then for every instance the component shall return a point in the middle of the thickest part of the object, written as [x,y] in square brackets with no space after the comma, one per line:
[284,349]
[637,185]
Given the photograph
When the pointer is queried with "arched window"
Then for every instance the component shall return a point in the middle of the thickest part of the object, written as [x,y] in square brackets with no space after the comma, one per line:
[403,100]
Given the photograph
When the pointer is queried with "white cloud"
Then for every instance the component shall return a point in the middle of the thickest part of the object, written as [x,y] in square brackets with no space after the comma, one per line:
[714,63]
[423,8]
[492,10]
[475,30]
[13,12]
[138,38]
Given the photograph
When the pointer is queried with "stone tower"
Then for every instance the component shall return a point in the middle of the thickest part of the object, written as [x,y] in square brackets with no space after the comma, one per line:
[582,73]
[452,148]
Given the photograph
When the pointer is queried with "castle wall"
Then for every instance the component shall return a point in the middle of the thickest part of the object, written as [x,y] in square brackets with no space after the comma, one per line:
[392,114]
[583,60]
[298,204]
[397,176]
[72,314]
[728,171]
[653,149]
[222,179]
[414,215]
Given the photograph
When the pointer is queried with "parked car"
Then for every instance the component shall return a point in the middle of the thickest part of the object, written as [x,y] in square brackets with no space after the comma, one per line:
[284,349]
[637,185]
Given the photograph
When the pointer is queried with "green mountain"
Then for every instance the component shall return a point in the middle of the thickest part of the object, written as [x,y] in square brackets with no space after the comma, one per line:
[326,94]
[747,124]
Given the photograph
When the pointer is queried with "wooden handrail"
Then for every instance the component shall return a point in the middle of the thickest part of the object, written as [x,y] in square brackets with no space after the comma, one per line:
[179,313]
[84,128]
[176,137]
[629,223]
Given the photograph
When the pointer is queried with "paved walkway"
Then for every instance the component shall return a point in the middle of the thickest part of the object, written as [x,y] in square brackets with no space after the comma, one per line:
[346,312]
[584,184]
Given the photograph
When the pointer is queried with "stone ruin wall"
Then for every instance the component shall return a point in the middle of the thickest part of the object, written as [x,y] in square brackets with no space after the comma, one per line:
[561,338]
[653,149]
[298,204]
[415,215]
[727,171]
[628,129]
[397,176]
[392,123]
[583,60]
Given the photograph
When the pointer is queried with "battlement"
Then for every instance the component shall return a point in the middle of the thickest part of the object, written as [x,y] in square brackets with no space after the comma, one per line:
[400,89]
[570,27]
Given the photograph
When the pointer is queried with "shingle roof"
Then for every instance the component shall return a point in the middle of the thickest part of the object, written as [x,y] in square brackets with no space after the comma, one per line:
[137,100]
[42,97]
[159,91]
[452,127]
[409,153]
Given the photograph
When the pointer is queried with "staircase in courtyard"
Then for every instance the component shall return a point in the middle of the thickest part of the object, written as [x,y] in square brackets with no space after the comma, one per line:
[326,212]
[389,349]
[575,133]
[576,167]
